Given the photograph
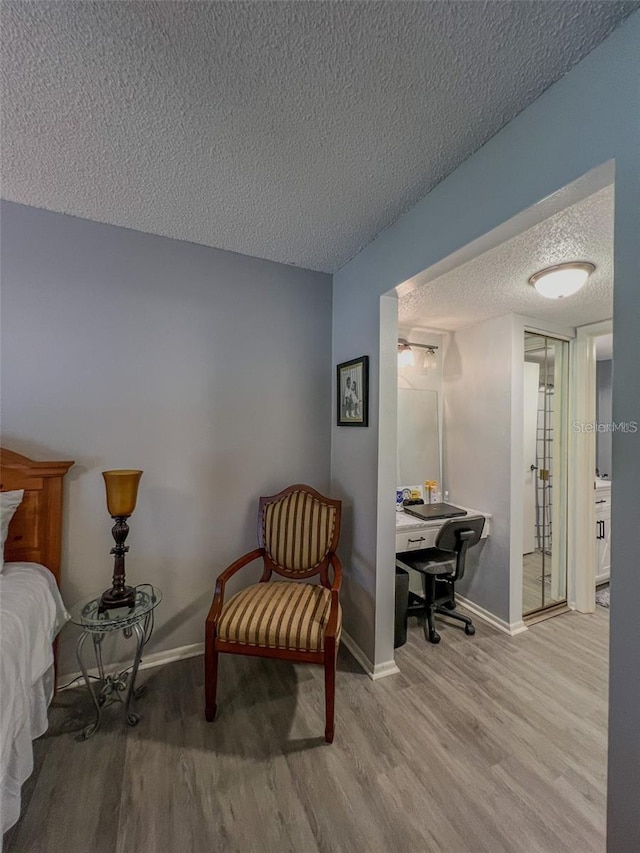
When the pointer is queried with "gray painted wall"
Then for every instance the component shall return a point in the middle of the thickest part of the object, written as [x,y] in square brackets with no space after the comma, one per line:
[604,376]
[476,443]
[208,370]
[542,150]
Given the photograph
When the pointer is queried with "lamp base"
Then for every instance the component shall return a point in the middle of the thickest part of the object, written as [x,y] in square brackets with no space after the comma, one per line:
[112,598]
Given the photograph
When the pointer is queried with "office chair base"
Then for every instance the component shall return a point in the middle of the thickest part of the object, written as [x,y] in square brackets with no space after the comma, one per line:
[432,637]
[430,632]
[445,610]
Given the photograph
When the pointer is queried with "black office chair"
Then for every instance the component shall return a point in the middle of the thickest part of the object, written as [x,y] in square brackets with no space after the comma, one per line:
[440,568]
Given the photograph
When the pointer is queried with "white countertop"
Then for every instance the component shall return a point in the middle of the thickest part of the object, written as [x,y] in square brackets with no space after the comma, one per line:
[405,521]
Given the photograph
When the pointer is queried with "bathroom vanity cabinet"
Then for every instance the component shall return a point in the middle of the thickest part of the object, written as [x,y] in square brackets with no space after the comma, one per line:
[603,530]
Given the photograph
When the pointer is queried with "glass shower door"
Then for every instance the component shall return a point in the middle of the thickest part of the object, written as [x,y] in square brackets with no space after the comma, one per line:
[545,475]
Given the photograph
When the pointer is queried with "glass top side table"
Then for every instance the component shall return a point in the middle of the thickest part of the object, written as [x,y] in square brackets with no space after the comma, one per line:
[132,621]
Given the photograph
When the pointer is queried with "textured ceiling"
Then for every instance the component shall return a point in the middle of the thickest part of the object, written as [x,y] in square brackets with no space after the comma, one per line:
[495,283]
[294,131]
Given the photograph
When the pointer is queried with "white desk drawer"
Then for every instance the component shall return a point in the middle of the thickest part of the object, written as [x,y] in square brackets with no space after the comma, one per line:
[413,540]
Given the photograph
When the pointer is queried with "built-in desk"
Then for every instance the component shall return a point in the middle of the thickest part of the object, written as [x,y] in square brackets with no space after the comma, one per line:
[412,533]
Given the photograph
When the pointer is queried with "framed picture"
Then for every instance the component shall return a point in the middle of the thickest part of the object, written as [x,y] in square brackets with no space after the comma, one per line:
[353,392]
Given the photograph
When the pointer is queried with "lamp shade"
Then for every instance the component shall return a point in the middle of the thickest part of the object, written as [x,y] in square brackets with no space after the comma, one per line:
[430,360]
[122,491]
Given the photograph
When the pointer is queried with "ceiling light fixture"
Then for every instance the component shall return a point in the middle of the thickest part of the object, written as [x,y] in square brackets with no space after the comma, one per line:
[562,279]
[406,358]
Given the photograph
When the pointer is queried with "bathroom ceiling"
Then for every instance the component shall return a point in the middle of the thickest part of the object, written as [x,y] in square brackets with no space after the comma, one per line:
[293,131]
[495,283]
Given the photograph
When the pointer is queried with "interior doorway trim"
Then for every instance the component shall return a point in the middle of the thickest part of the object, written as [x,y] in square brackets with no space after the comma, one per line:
[582,454]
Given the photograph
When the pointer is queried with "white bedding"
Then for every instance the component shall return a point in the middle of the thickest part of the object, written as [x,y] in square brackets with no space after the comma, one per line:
[31,614]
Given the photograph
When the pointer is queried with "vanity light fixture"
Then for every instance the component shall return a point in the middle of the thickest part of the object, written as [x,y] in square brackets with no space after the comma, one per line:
[405,353]
[562,279]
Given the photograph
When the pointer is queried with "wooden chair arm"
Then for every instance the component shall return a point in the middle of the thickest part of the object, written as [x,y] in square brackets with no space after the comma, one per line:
[332,624]
[218,596]
[337,572]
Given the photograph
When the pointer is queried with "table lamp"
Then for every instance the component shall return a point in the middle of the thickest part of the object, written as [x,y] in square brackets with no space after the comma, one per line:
[122,492]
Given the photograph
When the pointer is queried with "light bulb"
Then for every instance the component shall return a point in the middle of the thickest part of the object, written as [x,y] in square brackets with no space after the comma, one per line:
[405,356]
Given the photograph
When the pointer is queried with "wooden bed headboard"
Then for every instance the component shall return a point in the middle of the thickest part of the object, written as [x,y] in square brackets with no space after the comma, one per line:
[35,532]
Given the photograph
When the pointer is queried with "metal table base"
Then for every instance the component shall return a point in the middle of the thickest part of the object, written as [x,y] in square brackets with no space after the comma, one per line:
[113,685]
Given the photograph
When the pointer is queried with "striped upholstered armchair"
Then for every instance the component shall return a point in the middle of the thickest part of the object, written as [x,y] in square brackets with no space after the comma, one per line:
[298,532]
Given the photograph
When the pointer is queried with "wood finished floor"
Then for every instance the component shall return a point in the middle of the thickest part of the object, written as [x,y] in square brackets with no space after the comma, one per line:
[484,743]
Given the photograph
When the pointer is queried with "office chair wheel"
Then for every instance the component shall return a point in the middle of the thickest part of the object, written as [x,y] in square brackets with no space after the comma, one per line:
[469,630]
[450,605]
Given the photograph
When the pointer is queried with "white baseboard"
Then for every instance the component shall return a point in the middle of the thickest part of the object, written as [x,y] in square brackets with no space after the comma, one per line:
[512,629]
[381,670]
[148,662]
[374,671]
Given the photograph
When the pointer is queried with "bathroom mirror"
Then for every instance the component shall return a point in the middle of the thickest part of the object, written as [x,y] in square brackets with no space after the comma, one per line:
[418,437]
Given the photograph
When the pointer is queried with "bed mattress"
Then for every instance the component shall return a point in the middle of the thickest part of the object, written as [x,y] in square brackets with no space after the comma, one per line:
[31,614]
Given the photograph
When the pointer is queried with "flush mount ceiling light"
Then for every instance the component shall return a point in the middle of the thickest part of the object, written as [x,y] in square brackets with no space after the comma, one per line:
[562,279]
[405,354]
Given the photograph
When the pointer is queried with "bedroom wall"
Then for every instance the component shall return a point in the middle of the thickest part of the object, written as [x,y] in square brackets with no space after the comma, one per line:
[587,118]
[207,369]
[478,367]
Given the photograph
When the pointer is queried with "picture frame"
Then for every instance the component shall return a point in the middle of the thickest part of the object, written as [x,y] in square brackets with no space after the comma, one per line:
[352,384]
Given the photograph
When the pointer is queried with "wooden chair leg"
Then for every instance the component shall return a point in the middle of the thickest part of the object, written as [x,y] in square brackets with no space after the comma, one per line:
[329,688]
[210,674]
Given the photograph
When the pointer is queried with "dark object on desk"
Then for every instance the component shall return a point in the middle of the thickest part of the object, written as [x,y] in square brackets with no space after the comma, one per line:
[413,502]
[433,511]
[440,568]
[402,605]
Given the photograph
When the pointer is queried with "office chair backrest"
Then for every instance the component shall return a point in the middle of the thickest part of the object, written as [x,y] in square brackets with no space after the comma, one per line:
[460,534]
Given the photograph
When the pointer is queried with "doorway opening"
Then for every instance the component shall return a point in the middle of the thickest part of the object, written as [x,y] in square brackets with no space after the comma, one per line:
[591,467]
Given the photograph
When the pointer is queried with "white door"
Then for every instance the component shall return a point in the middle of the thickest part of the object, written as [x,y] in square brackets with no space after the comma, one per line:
[531,387]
